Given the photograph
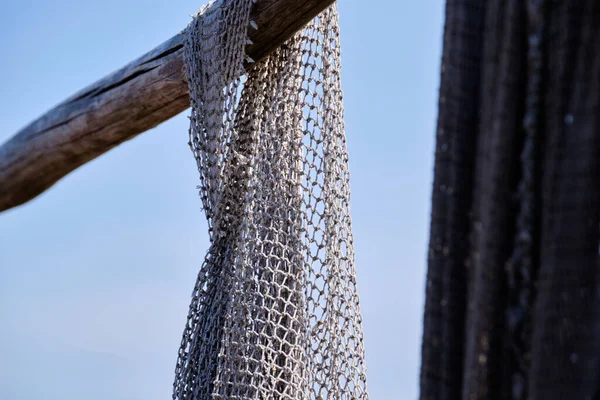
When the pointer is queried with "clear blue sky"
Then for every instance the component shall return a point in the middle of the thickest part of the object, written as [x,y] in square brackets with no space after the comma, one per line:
[96,274]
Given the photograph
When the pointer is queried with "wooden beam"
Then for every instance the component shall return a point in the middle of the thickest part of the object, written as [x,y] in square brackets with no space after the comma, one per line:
[132,100]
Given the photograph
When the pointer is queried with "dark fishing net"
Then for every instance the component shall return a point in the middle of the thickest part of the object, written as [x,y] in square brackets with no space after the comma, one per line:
[513,284]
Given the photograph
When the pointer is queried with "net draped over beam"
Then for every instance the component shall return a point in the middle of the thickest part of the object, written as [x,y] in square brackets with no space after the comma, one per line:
[513,284]
[120,106]
[274,312]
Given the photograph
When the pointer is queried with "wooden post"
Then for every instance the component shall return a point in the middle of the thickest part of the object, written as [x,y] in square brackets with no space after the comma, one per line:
[132,100]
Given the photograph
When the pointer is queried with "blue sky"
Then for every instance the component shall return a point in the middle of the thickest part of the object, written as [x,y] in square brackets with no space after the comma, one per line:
[96,274]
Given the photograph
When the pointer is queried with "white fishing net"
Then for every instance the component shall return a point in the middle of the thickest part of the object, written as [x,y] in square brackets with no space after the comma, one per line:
[275,311]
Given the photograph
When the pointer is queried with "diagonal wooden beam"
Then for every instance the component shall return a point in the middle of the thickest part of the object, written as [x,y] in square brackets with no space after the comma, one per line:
[132,100]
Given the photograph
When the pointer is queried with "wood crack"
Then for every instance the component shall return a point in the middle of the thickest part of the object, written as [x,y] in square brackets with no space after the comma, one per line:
[123,81]
[164,54]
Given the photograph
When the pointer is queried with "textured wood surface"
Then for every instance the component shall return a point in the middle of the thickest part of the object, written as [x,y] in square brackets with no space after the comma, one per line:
[135,98]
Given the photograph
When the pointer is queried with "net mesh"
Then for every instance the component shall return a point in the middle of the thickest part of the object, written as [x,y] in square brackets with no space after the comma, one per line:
[513,284]
[275,311]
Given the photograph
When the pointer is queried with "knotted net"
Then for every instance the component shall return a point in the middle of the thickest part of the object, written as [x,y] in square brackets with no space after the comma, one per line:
[274,312]
[513,283]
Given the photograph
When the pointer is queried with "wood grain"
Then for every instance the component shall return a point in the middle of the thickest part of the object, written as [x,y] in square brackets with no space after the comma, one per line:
[132,100]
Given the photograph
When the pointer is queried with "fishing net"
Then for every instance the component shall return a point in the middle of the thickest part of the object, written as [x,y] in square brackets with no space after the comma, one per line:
[274,312]
[513,284]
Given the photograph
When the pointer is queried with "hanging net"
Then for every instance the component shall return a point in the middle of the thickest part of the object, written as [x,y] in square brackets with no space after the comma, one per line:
[513,284]
[274,312]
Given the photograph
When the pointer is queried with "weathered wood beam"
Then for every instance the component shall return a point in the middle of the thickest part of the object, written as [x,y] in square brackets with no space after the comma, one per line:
[132,100]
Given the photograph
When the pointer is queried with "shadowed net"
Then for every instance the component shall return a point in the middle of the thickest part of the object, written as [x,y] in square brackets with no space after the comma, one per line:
[513,283]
